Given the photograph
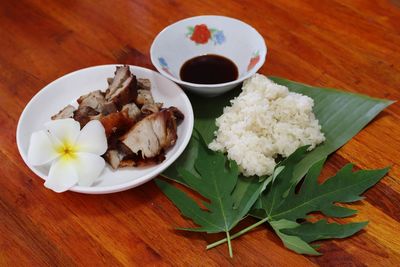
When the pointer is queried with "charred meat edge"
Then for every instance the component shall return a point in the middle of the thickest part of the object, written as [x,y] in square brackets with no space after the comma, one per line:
[84,114]
[121,74]
[152,134]
[65,113]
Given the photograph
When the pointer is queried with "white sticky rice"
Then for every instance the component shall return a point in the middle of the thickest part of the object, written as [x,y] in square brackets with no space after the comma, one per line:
[264,121]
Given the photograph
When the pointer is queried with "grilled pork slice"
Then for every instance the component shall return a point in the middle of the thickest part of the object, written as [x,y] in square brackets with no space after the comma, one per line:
[108,108]
[113,158]
[116,123]
[153,134]
[121,74]
[132,111]
[94,99]
[144,84]
[120,156]
[123,89]
[84,114]
[65,113]
[144,97]
[97,101]
[151,108]
[177,113]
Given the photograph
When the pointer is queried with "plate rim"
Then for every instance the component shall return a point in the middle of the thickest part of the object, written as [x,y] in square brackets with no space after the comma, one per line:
[127,185]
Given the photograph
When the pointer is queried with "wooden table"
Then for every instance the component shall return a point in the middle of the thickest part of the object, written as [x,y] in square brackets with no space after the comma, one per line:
[353,45]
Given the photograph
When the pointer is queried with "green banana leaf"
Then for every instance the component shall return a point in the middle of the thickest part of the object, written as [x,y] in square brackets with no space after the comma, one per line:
[341,115]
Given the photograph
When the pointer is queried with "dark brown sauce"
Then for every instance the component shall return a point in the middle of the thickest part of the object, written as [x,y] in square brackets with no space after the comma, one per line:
[209,69]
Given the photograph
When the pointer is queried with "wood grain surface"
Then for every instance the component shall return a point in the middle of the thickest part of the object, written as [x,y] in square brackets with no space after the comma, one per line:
[353,45]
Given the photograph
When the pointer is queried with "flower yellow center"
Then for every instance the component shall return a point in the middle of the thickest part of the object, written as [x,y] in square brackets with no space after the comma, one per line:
[67,151]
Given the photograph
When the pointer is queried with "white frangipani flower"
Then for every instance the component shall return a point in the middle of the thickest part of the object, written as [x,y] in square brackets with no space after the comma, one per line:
[74,154]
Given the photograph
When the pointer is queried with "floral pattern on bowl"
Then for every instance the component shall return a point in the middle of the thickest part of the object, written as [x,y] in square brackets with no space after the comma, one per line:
[253,60]
[201,34]
[164,65]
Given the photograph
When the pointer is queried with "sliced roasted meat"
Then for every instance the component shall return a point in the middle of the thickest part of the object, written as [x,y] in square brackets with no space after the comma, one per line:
[93,99]
[142,138]
[142,162]
[124,94]
[165,128]
[132,111]
[123,89]
[177,113]
[127,163]
[97,101]
[108,107]
[144,97]
[65,113]
[85,114]
[151,108]
[144,84]
[116,123]
[121,74]
[120,156]
[113,158]
[153,134]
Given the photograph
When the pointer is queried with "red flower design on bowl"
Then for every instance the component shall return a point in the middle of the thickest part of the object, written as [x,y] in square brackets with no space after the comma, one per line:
[253,61]
[201,34]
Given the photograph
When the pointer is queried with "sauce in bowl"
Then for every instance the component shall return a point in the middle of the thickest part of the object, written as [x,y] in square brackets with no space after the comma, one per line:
[209,69]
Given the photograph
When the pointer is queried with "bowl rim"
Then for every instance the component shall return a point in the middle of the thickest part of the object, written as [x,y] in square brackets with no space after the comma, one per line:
[238,80]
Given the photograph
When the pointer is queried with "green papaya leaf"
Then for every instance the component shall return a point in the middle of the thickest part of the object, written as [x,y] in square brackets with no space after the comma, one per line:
[346,186]
[292,242]
[310,232]
[281,183]
[246,191]
[215,178]
[185,161]
[282,209]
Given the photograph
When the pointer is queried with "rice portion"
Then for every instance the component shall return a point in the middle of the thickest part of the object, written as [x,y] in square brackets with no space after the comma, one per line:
[264,121]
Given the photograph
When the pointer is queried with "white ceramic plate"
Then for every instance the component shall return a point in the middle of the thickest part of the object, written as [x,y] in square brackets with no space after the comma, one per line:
[68,88]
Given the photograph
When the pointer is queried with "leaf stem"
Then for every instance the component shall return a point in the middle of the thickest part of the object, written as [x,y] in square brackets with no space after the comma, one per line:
[241,232]
[228,237]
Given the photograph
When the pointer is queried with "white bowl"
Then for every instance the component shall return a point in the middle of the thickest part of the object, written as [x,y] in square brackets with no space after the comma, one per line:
[67,89]
[227,37]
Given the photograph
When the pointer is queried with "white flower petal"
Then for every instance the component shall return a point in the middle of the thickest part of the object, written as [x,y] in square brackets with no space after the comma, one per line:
[65,130]
[88,166]
[62,175]
[92,138]
[41,149]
